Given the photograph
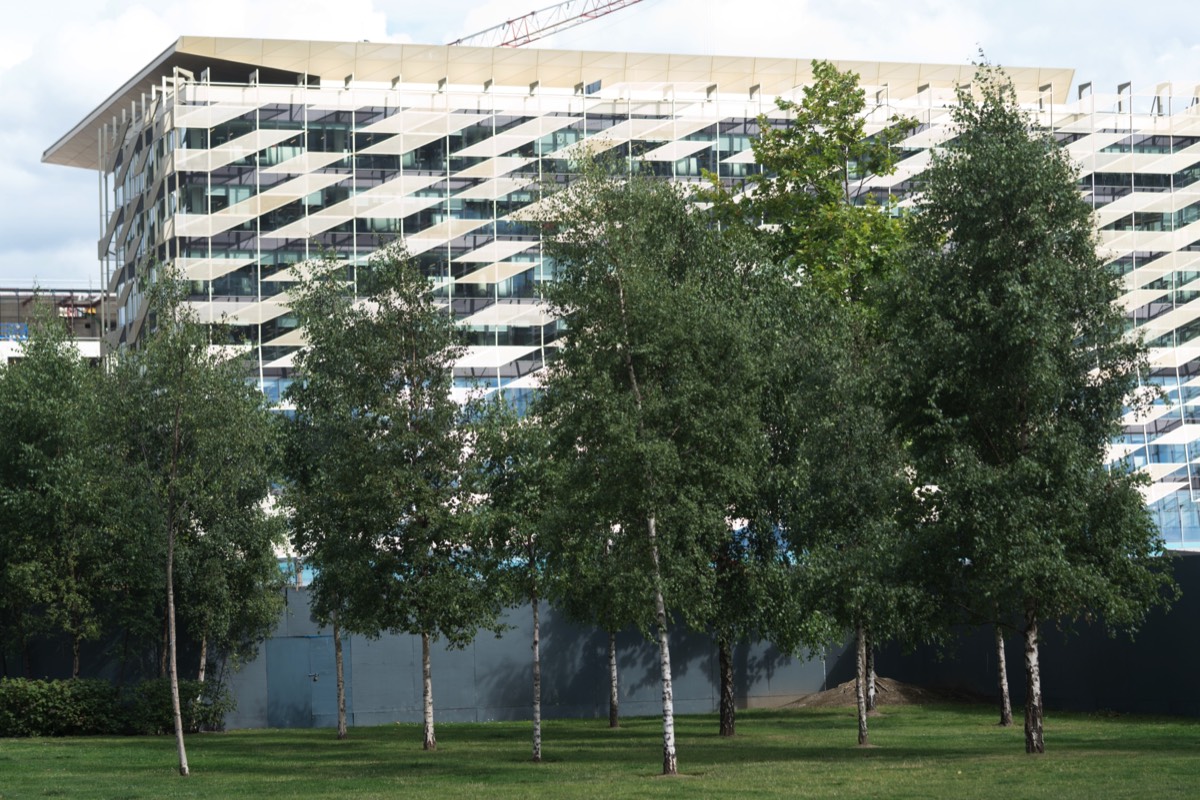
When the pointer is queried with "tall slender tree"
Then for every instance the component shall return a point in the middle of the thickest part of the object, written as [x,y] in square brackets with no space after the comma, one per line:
[837,479]
[198,446]
[585,580]
[515,473]
[1013,368]
[651,395]
[381,504]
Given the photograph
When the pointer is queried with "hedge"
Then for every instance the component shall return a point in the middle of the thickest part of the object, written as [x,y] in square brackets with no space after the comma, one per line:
[90,707]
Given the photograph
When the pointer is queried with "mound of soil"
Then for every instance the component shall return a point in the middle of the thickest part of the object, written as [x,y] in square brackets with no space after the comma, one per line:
[887,693]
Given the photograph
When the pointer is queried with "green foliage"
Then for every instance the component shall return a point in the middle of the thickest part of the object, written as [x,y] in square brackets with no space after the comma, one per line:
[147,707]
[90,470]
[92,707]
[200,452]
[378,490]
[651,397]
[835,482]
[231,586]
[513,469]
[840,484]
[1012,367]
[76,707]
[56,486]
[817,214]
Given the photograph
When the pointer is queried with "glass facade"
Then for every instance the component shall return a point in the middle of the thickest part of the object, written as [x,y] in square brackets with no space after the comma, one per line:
[236,182]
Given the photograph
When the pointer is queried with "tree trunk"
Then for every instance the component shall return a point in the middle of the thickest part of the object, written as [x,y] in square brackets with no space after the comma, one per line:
[164,647]
[171,654]
[725,665]
[75,656]
[1034,743]
[1006,719]
[339,666]
[871,693]
[537,684]
[860,679]
[670,759]
[430,742]
[614,695]
[203,659]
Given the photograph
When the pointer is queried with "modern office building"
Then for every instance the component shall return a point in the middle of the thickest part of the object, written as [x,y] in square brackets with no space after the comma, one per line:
[237,159]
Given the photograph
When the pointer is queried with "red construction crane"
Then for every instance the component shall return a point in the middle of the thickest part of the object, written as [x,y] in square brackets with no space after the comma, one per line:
[533,26]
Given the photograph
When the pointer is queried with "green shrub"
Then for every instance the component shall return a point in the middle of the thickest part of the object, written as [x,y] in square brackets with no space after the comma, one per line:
[149,711]
[88,707]
[59,708]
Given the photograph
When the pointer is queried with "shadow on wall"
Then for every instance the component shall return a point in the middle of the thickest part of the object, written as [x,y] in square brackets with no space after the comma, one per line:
[115,656]
[1082,670]
[492,678]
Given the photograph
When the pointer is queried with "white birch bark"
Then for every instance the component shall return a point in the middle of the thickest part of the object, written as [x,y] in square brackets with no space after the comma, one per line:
[430,742]
[537,685]
[871,694]
[614,694]
[1006,719]
[339,666]
[174,511]
[1034,743]
[172,662]
[670,759]
[860,676]
[200,673]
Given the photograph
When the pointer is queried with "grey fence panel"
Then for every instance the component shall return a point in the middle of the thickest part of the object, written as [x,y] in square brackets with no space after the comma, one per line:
[289,684]
[1083,668]
[491,678]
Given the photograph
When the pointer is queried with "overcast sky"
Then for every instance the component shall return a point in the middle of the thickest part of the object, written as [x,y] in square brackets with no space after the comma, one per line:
[59,59]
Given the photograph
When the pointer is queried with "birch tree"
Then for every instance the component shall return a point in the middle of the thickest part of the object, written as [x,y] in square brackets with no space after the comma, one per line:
[515,474]
[1013,369]
[1006,717]
[381,505]
[836,481]
[198,441]
[651,395]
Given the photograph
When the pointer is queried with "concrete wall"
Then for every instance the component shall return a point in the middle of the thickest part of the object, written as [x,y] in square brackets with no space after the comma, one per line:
[292,682]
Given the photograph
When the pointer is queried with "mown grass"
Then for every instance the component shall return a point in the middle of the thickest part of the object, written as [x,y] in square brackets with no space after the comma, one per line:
[918,752]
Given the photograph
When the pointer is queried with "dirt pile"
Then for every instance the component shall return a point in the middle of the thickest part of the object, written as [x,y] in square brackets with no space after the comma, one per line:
[887,693]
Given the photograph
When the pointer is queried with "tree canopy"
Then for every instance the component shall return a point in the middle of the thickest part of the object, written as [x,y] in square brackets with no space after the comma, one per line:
[1013,367]
[379,489]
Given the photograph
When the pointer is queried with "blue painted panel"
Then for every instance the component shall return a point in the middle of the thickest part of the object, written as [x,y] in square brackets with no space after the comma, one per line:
[289,692]
[322,662]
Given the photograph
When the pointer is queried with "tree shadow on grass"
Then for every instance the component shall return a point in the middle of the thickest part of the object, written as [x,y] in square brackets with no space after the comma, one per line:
[820,737]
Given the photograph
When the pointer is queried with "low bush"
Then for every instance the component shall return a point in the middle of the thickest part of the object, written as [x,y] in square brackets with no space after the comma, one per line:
[59,708]
[149,711]
[89,707]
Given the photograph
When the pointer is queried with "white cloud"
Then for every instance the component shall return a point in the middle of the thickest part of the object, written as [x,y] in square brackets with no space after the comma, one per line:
[13,51]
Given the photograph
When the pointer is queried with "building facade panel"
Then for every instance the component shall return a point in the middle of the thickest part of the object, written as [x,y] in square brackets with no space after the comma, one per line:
[238,160]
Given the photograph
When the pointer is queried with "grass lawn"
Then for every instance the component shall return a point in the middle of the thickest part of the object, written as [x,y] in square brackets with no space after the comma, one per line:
[919,752]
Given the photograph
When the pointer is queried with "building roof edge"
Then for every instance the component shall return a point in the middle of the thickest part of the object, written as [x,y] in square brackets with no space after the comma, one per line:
[464,65]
